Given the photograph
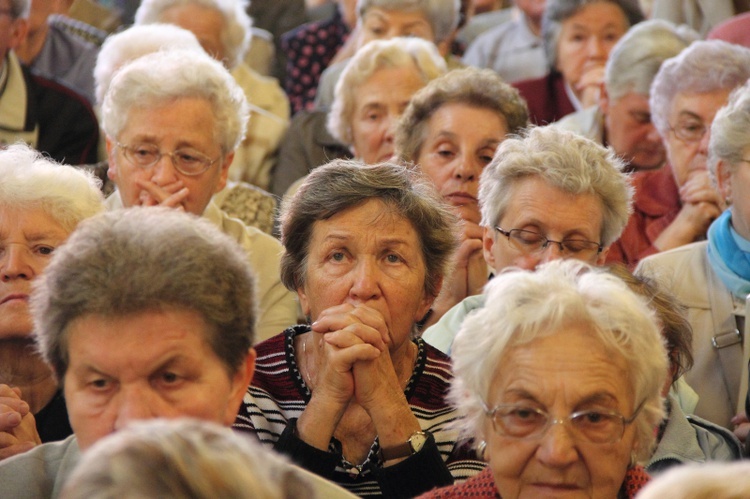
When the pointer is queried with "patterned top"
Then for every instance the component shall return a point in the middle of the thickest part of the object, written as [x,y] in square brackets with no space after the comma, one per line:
[309,50]
[278,395]
[483,485]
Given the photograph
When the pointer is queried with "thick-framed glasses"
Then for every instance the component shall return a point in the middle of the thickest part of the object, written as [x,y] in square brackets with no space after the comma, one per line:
[186,160]
[528,241]
[528,423]
[689,131]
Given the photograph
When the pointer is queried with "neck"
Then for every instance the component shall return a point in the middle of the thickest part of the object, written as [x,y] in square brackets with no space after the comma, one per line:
[534,24]
[22,367]
[33,44]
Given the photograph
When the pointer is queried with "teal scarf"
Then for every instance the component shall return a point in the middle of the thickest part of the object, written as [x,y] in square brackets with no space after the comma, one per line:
[729,255]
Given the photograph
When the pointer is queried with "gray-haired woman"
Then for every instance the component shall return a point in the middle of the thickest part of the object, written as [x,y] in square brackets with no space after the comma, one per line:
[354,396]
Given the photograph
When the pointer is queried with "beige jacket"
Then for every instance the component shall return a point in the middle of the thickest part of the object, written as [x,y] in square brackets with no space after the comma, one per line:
[277,306]
[716,376]
[269,119]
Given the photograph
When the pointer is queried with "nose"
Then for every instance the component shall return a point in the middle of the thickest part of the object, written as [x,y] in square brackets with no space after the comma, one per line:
[553,251]
[653,134]
[164,172]
[703,144]
[365,285]
[468,168]
[557,447]
[134,404]
[15,263]
[595,48]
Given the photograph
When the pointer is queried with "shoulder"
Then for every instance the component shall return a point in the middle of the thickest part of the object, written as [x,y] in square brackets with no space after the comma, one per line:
[674,261]
[441,334]
[41,471]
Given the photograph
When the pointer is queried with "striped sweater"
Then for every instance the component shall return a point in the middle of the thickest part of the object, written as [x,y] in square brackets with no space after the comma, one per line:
[278,395]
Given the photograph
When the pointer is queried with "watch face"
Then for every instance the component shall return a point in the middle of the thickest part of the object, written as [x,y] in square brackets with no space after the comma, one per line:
[417,441]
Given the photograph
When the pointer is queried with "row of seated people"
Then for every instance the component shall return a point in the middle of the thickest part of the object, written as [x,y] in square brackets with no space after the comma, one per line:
[135,330]
[193,179]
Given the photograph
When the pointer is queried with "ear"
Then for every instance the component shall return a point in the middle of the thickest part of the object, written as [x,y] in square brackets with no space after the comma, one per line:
[603,98]
[19,28]
[112,167]
[240,381]
[224,174]
[488,243]
[427,301]
[724,179]
[602,257]
[303,301]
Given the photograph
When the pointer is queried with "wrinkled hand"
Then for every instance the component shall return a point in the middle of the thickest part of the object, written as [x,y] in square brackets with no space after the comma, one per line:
[170,195]
[350,334]
[469,274]
[590,85]
[17,425]
[702,203]
[741,427]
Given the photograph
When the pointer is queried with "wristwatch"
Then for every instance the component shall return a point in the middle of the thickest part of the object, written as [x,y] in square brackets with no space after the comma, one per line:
[412,446]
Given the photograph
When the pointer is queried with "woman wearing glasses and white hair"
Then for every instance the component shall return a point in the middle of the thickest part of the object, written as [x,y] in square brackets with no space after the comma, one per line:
[564,394]
[712,277]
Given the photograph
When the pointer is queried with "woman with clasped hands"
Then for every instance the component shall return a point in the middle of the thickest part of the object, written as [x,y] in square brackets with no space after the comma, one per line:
[354,396]
[559,378]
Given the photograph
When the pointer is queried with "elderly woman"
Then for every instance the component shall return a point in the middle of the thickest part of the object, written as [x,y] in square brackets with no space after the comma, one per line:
[354,396]
[675,205]
[173,120]
[546,195]
[372,93]
[431,20]
[223,29]
[559,380]
[622,117]
[184,458]
[41,202]
[712,278]
[450,131]
[578,36]
[681,439]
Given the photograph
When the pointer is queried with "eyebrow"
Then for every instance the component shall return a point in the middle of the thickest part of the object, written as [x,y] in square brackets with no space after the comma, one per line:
[689,114]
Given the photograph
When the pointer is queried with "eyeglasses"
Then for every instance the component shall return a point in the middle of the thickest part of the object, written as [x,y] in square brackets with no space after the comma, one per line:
[186,160]
[527,241]
[528,423]
[689,131]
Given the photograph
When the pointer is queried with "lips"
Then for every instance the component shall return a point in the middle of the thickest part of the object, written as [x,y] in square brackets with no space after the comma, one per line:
[16,296]
[460,198]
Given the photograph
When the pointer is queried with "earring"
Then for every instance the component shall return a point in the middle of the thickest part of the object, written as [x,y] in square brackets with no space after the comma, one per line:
[482,450]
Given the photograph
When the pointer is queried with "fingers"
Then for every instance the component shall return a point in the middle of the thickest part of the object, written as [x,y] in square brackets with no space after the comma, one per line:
[741,431]
[170,195]
[365,322]
[468,250]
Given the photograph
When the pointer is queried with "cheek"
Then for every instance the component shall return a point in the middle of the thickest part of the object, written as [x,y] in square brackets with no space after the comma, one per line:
[508,460]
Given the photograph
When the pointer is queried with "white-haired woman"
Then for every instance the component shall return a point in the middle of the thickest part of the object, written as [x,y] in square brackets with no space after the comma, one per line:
[559,378]
[713,277]
[41,202]
[223,29]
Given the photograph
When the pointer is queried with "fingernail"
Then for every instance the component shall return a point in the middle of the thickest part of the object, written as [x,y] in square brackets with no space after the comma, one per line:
[14,418]
[24,407]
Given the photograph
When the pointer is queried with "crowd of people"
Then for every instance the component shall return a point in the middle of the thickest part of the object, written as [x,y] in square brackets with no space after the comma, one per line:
[374,248]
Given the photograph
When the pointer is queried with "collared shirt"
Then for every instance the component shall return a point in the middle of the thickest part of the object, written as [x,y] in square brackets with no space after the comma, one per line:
[511,50]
